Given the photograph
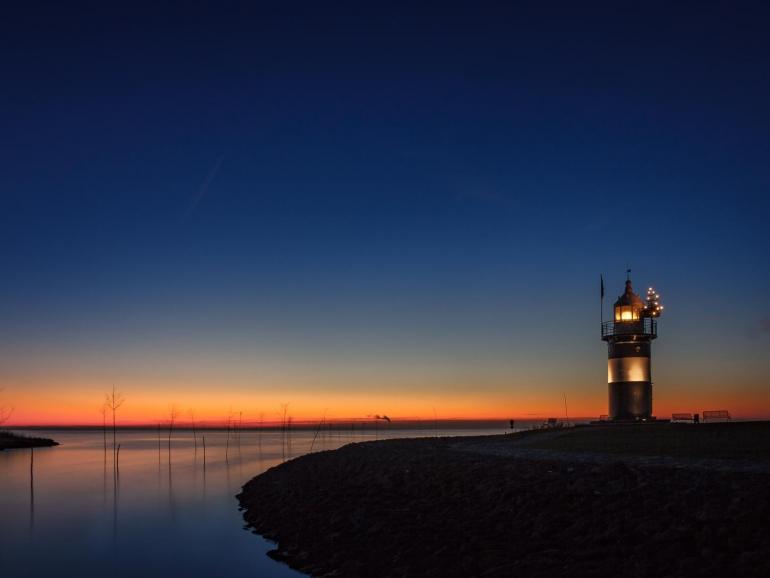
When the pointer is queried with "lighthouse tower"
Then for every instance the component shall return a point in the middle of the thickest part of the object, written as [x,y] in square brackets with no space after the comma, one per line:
[629,338]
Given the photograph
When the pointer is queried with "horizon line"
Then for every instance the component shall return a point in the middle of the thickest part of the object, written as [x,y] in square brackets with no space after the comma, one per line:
[271,424]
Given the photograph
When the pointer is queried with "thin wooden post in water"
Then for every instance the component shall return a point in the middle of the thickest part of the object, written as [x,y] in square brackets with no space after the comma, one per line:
[227,440]
[259,434]
[104,428]
[320,423]
[288,437]
[284,409]
[31,488]
[240,426]
[173,413]
[204,452]
[195,435]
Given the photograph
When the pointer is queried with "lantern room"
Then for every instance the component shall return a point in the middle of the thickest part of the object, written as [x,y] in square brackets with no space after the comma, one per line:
[629,306]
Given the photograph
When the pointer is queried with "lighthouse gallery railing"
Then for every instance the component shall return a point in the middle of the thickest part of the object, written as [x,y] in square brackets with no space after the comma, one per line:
[647,326]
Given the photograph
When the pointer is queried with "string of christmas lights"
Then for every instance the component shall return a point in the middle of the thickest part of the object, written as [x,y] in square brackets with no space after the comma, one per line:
[652,306]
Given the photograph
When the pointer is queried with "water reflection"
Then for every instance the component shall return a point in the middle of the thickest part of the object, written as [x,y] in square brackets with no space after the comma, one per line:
[170,489]
[115,507]
[31,491]
[174,516]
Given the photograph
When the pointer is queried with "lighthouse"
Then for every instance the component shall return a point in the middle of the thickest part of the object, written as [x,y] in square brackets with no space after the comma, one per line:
[629,342]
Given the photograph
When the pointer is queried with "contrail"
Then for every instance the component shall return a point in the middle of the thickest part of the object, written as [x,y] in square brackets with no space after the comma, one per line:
[203,189]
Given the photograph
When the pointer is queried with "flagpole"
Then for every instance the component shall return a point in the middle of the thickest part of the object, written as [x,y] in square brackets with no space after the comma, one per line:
[601,299]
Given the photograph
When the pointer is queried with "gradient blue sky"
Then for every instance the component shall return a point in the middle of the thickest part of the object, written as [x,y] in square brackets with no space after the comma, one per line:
[408,204]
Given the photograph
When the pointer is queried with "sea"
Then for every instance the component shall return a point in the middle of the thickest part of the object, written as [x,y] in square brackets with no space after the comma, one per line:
[161,506]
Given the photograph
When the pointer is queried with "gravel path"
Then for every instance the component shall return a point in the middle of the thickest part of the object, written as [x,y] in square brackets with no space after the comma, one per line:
[504,448]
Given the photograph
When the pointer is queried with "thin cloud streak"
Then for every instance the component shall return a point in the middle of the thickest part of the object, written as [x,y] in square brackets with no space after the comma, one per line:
[204,187]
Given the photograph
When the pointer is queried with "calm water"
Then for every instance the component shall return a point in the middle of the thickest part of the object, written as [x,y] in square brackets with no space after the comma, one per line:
[160,517]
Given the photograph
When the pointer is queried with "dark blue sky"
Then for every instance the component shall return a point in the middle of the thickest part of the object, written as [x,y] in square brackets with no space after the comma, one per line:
[397,188]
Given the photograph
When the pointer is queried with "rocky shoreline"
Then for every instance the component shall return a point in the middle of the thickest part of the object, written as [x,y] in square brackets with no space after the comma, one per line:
[12,441]
[453,507]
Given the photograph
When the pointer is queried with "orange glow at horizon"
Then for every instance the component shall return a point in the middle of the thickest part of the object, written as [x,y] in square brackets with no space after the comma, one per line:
[150,404]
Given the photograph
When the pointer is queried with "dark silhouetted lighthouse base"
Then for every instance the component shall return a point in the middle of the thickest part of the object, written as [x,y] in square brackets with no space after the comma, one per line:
[628,377]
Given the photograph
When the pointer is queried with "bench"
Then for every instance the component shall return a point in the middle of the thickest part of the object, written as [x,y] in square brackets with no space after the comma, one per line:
[719,414]
[681,417]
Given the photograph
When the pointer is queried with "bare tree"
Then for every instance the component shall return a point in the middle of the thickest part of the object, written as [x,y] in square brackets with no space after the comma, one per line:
[5,412]
[113,402]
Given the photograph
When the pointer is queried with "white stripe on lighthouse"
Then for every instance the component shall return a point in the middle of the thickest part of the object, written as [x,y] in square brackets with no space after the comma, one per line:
[628,369]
